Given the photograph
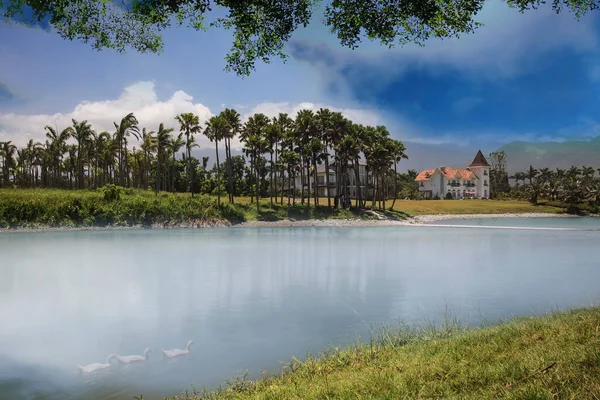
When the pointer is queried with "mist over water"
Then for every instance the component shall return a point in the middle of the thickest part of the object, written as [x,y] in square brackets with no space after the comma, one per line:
[252,298]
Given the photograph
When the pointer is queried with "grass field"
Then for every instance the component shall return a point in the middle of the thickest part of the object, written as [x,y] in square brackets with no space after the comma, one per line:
[550,357]
[427,207]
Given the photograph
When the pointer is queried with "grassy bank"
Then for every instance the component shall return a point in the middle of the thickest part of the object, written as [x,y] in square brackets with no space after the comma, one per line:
[32,208]
[88,208]
[550,357]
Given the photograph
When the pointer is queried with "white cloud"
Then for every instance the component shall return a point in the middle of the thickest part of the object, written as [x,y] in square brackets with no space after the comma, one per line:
[141,99]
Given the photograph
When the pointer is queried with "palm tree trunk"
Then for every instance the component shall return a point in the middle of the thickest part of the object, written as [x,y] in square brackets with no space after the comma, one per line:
[395,184]
[257,186]
[327,175]
[289,186]
[302,178]
[374,190]
[308,181]
[283,185]
[157,173]
[271,183]
[218,174]
[358,185]
[316,181]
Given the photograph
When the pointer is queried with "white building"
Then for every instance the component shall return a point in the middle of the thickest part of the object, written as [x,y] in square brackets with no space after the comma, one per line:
[472,182]
[325,191]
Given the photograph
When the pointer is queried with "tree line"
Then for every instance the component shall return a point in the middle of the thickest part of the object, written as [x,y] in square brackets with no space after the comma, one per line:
[573,186]
[276,152]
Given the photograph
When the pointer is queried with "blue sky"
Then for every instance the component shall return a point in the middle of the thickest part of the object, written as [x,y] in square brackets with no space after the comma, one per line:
[532,76]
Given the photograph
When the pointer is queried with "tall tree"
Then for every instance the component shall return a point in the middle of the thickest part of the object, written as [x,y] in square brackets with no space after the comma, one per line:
[234,126]
[325,132]
[255,144]
[216,129]
[128,126]
[82,133]
[189,124]
[398,152]
[163,143]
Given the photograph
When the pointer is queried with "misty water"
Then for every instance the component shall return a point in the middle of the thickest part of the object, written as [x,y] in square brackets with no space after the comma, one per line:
[250,298]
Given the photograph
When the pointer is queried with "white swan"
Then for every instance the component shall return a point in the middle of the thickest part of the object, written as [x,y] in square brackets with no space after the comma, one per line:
[177,352]
[88,369]
[132,359]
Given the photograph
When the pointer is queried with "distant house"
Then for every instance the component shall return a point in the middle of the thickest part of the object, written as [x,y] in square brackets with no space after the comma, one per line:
[325,191]
[471,182]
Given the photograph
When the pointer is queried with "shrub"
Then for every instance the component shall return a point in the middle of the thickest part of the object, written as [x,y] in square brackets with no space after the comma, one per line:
[449,196]
[111,192]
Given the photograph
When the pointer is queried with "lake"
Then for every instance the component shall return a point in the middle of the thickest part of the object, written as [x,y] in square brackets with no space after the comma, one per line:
[250,298]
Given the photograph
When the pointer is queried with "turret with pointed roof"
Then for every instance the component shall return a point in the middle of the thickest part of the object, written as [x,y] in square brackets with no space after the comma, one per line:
[479,161]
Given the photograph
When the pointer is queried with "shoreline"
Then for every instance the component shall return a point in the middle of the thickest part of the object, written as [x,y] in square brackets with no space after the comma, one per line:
[420,220]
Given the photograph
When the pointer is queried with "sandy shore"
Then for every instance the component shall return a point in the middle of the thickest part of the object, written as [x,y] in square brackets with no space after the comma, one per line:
[413,221]
[424,219]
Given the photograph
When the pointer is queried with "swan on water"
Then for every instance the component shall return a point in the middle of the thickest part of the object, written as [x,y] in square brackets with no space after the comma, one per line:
[177,352]
[132,359]
[87,369]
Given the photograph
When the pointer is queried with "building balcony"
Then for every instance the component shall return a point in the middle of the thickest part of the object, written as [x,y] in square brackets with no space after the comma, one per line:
[454,184]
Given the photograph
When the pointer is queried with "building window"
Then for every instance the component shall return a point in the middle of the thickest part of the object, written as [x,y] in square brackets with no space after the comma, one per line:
[485,173]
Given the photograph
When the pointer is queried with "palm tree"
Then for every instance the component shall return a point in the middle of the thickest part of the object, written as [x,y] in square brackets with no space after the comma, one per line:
[254,137]
[272,135]
[163,143]
[234,126]
[587,173]
[148,146]
[531,174]
[216,129]
[398,151]
[573,173]
[7,152]
[190,125]
[175,145]
[305,130]
[82,133]
[284,124]
[58,140]
[325,131]
[128,126]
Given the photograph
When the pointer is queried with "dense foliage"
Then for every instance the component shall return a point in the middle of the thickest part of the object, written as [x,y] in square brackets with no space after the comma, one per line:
[574,187]
[109,206]
[280,155]
[260,28]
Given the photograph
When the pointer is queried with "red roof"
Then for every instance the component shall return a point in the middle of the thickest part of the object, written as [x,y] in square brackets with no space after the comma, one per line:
[424,175]
[449,173]
[479,161]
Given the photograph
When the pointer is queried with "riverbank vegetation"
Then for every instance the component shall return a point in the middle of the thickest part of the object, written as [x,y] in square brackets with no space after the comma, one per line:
[549,357]
[577,189]
[299,159]
[113,206]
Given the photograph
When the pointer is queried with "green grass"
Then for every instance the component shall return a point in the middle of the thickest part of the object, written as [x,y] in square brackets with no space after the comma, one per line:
[450,362]
[33,208]
[427,207]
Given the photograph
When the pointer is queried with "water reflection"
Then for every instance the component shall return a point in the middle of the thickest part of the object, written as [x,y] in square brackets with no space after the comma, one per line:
[250,298]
